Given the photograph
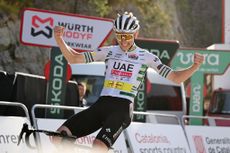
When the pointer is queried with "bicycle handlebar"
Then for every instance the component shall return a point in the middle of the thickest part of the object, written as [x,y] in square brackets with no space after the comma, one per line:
[25,130]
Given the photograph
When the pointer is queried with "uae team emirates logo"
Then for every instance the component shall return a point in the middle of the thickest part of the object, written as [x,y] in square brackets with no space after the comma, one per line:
[42,26]
[199,144]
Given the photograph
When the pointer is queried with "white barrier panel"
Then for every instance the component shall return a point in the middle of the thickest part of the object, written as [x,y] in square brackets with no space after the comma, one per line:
[53,124]
[9,134]
[157,138]
[208,139]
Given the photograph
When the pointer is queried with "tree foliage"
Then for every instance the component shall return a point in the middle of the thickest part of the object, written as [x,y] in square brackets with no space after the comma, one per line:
[101,7]
[13,7]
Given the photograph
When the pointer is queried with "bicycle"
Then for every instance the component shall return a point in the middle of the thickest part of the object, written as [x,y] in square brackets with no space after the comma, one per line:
[67,145]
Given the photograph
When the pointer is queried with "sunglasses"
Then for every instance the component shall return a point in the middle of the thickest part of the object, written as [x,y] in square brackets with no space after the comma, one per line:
[124,36]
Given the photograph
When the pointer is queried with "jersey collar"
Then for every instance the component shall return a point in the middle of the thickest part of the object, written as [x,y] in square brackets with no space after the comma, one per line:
[132,48]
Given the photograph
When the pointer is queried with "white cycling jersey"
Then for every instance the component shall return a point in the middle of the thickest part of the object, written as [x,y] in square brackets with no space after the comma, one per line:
[125,71]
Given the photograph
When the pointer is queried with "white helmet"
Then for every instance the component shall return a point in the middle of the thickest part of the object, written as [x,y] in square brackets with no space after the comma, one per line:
[126,23]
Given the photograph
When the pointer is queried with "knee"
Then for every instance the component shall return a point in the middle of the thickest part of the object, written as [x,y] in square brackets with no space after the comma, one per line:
[65,129]
[56,140]
[100,146]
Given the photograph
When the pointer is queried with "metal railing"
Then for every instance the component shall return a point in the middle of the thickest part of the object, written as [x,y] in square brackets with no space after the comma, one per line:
[161,118]
[45,106]
[17,104]
[211,119]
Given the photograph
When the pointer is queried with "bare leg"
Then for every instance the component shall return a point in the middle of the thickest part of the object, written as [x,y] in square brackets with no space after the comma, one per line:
[63,146]
[57,140]
[99,146]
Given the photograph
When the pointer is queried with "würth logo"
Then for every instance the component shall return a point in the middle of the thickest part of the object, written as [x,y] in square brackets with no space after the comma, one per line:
[42,26]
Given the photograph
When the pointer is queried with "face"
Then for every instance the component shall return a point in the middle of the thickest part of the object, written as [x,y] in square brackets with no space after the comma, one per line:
[125,40]
[82,90]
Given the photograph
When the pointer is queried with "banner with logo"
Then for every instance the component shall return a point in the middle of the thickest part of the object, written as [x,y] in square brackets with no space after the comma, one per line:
[157,138]
[196,106]
[81,32]
[140,102]
[53,124]
[9,135]
[206,139]
[57,82]
[215,62]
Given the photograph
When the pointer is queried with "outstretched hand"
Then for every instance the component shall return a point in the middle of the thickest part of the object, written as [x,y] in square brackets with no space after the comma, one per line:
[58,31]
[198,59]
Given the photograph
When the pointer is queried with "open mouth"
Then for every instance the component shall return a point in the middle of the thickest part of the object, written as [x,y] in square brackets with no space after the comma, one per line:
[124,44]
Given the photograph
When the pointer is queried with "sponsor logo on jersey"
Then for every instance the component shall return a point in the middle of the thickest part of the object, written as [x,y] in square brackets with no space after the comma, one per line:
[122,69]
[118,55]
[121,73]
[156,59]
[141,54]
[133,56]
[110,53]
[118,85]
[99,49]
[127,67]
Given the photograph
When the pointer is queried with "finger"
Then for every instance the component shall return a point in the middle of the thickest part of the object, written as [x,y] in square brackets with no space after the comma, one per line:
[198,62]
[198,58]
[58,28]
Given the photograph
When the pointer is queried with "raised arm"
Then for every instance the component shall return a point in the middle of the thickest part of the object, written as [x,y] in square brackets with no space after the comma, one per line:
[182,75]
[71,55]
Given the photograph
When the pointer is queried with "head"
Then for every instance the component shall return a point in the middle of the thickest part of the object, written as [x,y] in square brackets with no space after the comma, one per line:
[82,89]
[126,28]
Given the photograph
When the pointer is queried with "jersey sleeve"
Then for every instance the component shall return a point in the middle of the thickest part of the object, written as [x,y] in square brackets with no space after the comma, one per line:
[155,63]
[99,54]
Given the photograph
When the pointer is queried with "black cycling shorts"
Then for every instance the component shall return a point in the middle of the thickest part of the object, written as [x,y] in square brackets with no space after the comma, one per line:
[111,114]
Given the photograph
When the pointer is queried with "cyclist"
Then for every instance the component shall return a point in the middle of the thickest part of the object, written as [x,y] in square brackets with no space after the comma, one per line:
[126,65]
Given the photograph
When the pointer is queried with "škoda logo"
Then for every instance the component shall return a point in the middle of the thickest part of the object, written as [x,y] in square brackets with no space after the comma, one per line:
[42,26]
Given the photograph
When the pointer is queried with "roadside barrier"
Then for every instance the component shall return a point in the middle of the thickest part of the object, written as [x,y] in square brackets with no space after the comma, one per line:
[159,118]
[10,129]
[210,138]
[159,137]
[165,135]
